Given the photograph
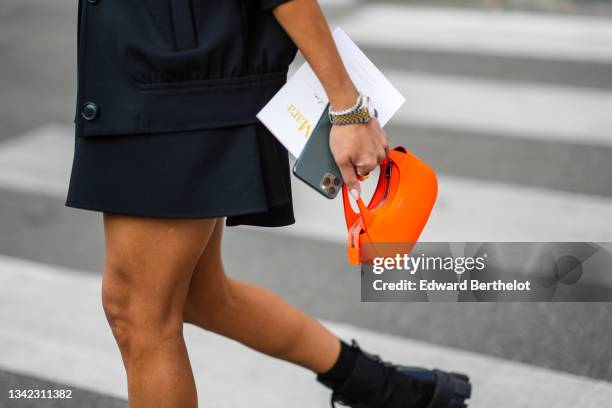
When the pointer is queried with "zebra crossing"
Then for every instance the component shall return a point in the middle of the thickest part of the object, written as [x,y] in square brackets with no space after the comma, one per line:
[511,108]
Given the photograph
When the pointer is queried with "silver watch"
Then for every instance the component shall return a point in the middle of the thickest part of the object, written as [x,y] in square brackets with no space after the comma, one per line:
[362,112]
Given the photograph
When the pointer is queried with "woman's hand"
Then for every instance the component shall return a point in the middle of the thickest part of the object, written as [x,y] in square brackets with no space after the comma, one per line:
[358,148]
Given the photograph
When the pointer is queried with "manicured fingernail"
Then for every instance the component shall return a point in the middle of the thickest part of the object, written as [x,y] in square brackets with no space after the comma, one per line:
[355,194]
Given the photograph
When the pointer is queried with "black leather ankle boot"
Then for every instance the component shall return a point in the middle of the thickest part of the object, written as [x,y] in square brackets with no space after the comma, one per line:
[374,383]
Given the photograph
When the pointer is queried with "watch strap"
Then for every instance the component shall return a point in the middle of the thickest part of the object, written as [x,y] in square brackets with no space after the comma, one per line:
[354,115]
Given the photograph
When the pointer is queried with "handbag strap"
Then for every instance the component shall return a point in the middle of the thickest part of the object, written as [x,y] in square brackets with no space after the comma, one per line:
[351,216]
[396,156]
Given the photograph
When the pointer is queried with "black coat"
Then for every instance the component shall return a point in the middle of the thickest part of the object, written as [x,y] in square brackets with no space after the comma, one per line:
[150,66]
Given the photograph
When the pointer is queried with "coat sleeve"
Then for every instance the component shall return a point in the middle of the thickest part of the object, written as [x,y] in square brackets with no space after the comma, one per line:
[270,4]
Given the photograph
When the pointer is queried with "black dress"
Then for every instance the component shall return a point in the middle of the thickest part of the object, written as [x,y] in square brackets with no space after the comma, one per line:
[167,96]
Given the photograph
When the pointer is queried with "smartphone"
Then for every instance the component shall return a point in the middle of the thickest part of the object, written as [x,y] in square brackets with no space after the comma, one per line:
[316,165]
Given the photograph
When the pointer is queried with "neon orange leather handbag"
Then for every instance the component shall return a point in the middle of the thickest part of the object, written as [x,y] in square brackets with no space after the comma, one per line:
[399,208]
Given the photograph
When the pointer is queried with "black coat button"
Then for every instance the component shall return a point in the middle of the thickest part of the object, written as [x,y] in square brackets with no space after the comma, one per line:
[93,1]
[89,111]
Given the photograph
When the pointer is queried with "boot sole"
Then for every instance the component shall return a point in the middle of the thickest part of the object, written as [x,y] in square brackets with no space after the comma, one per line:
[452,390]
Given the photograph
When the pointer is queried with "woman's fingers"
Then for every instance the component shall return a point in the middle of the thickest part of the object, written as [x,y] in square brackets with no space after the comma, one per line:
[367,165]
[349,176]
[358,150]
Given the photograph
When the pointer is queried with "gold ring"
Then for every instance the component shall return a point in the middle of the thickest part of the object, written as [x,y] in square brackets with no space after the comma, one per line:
[363,176]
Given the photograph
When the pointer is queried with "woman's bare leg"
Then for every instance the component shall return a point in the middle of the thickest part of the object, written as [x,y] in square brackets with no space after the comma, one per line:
[255,316]
[149,263]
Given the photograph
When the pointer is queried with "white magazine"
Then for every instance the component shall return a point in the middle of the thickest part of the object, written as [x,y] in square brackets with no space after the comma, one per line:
[292,114]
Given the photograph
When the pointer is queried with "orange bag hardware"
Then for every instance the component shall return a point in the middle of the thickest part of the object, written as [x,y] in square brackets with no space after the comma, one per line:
[399,209]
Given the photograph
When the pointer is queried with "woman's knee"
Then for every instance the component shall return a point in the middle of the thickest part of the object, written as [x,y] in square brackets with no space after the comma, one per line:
[148,267]
[138,321]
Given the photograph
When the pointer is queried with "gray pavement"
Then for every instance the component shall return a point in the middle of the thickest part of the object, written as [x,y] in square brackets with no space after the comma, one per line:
[585,74]
[37,83]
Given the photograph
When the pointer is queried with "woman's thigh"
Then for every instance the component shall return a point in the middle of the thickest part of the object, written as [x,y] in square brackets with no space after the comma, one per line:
[148,267]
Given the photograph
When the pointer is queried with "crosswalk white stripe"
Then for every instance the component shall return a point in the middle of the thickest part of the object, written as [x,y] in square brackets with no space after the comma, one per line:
[53,327]
[491,32]
[505,109]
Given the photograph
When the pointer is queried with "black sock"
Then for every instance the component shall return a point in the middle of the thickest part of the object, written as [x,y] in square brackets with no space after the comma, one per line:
[342,369]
